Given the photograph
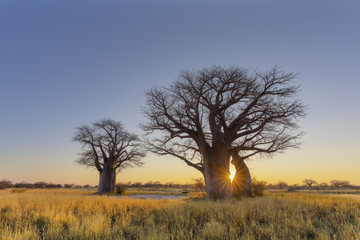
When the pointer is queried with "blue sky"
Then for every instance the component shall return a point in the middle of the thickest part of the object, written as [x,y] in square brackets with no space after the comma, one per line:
[65,63]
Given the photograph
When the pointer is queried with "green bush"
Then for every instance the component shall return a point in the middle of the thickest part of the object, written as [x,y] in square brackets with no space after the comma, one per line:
[258,187]
[199,184]
[120,188]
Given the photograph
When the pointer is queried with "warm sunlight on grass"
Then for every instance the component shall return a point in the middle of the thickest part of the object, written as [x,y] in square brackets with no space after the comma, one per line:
[232,175]
[77,214]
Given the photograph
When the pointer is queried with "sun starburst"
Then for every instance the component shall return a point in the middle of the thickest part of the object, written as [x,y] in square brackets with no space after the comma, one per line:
[232,175]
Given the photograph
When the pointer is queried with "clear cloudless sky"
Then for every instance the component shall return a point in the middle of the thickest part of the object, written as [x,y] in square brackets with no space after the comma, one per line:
[66,63]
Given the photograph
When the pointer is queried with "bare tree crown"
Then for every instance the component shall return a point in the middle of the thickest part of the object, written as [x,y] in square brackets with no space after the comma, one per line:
[107,140]
[247,112]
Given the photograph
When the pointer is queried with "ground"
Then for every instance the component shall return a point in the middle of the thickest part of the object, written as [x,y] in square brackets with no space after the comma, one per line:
[79,214]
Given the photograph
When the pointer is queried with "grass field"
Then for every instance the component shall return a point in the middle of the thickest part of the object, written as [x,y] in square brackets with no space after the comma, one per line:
[77,214]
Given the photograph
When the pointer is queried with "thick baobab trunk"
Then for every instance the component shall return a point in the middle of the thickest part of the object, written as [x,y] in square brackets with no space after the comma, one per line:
[107,177]
[217,176]
[241,184]
[113,182]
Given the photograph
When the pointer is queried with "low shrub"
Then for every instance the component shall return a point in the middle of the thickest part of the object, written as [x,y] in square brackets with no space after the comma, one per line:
[258,187]
[120,188]
[18,190]
[5,184]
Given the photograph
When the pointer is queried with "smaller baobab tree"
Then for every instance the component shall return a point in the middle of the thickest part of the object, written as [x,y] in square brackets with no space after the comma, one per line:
[108,148]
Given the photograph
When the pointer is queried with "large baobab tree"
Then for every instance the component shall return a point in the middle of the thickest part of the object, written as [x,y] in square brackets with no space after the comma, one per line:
[211,116]
[108,148]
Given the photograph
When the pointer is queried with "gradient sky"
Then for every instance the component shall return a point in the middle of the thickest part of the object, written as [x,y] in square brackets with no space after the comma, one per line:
[66,63]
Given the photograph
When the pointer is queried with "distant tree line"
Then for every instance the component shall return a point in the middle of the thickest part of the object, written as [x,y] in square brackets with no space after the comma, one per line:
[197,184]
[312,184]
[8,184]
[41,184]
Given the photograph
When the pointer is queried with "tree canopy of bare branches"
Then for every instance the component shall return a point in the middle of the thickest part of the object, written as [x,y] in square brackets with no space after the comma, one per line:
[309,182]
[108,148]
[212,115]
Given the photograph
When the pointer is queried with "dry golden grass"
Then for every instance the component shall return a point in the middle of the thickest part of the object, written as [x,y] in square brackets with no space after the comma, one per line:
[72,214]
